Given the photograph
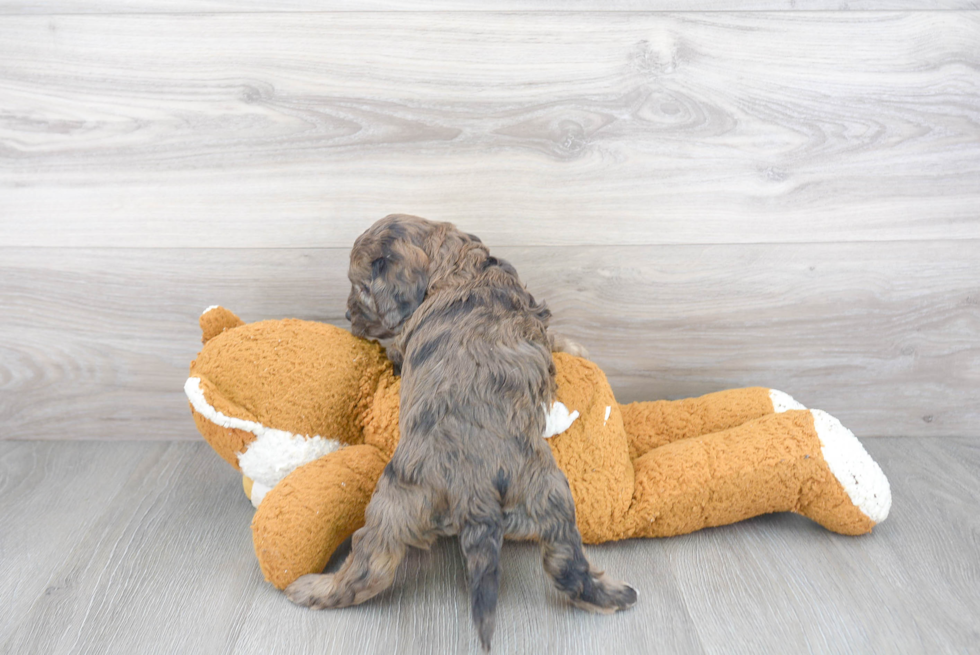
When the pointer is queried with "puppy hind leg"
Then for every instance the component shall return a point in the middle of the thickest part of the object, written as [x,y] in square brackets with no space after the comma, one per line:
[391,522]
[368,570]
[480,539]
[564,558]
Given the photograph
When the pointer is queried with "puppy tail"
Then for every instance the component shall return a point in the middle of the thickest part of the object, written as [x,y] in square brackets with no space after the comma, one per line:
[480,540]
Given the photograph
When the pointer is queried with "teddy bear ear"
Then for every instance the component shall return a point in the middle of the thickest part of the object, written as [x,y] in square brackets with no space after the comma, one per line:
[215,320]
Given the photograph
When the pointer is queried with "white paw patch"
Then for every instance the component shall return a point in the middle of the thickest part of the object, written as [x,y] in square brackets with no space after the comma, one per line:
[861,477]
[782,402]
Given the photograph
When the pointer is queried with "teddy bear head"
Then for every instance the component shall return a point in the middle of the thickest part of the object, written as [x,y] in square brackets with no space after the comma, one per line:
[264,414]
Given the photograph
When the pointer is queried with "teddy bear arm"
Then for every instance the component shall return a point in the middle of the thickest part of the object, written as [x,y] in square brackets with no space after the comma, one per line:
[652,424]
[304,518]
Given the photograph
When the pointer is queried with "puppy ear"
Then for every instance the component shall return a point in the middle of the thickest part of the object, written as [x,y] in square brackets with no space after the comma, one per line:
[399,280]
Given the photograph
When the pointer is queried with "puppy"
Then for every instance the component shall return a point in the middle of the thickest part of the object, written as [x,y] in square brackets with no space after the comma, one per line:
[477,377]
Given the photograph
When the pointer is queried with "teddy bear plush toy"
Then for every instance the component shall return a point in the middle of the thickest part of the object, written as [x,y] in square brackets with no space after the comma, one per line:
[309,414]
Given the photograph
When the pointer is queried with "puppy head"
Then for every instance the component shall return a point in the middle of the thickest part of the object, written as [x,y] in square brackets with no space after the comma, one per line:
[397,262]
[389,278]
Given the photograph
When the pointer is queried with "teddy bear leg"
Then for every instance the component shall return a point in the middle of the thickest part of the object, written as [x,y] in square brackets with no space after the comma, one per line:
[653,424]
[304,518]
[800,461]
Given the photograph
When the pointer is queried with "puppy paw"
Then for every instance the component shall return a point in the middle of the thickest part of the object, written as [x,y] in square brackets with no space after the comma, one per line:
[311,591]
[562,344]
[605,596]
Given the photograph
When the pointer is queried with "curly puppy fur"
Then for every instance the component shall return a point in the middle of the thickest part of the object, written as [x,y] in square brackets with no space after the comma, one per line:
[477,373]
[401,260]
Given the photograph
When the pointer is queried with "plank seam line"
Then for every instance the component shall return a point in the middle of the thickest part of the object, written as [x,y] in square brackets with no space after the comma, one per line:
[964,240]
[483,12]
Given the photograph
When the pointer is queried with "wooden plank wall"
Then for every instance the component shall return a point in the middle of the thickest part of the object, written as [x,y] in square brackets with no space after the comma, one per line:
[707,198]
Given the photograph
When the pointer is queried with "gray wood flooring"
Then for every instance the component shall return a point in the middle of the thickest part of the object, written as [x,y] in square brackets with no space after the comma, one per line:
[143,547]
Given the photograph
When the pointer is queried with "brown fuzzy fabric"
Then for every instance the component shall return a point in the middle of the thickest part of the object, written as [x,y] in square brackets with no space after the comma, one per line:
[294,384]
[712,449]
[339,486]
[593,452]
[657,423]
[704,481]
